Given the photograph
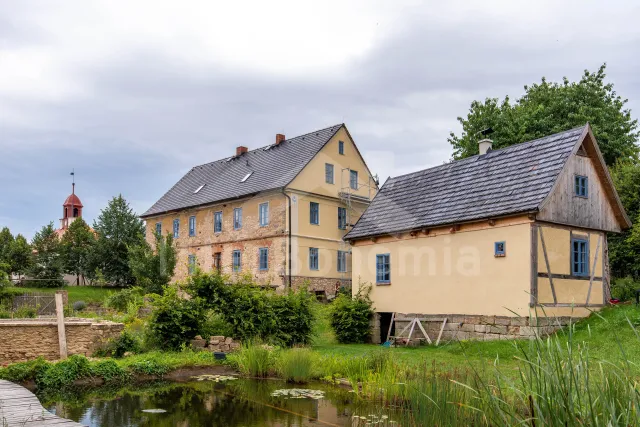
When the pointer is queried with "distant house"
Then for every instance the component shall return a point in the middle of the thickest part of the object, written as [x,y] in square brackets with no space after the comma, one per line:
[278,212]
[500,234]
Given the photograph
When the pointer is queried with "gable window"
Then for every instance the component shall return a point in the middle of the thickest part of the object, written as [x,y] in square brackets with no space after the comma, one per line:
[383,269]
[237,218]
[192,264]
[328,173]
[264,258]
[192,226]
[353,180]
[158,228]
[176,228]
[342,218]
[237,260]
[217,222]
[313,258]
[342,261]
[314,213]
[499,249]
[580,257]
[581,186]
[264,214]
[340,147]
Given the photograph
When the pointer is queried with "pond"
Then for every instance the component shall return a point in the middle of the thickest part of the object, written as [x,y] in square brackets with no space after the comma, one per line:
[236,402]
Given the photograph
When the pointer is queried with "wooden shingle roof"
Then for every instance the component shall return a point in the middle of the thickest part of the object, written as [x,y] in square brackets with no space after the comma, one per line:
[511,180]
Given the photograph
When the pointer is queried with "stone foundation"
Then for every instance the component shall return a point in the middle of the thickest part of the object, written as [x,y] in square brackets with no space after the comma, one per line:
[27,339]
[474,327]
[216,343]
[318,284]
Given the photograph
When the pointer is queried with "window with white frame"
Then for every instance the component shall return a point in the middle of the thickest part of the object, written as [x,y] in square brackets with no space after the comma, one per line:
[264,214]
[237,218]
[313,259]
[192,226]
[176,228]
[217,222]
[342,261]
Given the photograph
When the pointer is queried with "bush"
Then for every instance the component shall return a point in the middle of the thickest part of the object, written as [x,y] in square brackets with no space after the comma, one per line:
[624,289]
[79,305]
[25,312]
[23,371]
[126,342]
[255,313]
[149,367]
[254,360]
[109,370]
[296,365]
[351,317]
[63,373]
[175,320]
[120,300]
[214,324]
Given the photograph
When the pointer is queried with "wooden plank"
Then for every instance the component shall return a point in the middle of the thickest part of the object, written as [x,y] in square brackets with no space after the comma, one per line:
[423,331]
[593,269]
[20,407]
[568,276]
[393,317]
[413,325]
[444,322]
[533,292]
[62,335]
[546,261]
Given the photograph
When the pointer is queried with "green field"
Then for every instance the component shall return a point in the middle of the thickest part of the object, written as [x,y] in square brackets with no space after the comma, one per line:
[88,294]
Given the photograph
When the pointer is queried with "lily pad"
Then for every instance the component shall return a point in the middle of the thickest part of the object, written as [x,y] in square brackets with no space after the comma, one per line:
[215,378]
[298,393]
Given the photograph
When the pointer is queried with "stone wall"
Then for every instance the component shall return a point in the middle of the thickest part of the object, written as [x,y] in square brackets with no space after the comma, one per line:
[328,285]
[474,327]
[27,339]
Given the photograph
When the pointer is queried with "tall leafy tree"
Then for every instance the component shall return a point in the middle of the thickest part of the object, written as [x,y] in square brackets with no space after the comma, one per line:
[549,107]
[20,254]
[77,247]
[46,265]
[118,228]
[624,249]
[6,240]
[153,267]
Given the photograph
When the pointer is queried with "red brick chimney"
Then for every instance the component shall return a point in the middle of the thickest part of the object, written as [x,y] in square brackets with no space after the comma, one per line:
[279,138]
[241,150]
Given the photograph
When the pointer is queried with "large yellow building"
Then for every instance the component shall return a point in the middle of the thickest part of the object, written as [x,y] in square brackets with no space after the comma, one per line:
[476,248]
[278,212]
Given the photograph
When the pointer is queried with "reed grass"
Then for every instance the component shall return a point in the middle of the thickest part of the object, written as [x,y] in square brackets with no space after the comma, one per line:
[297,365]
[254,360]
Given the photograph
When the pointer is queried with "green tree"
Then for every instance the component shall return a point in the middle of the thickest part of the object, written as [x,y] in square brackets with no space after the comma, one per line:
[46,265]
[77,247]
[118,228]
[547,108]
[20,254]
[6,240]
[624,248]
[153,268]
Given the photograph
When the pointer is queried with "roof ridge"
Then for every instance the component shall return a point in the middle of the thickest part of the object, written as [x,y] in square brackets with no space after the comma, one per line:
[466,159]
[269,145]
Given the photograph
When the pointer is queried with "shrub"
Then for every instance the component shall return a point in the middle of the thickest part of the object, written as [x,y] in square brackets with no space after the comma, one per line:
[149,367]
[253,360]
[25,312]
[121,300]
[351,317]
[296,365]
[624,289]
[109,370]
[175,320]
[63,373]
[215,324]
[254,313]
[23,371]
[79,306]
[126,342]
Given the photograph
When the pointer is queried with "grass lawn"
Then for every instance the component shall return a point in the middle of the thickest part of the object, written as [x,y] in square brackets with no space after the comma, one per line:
[88,294]
[607,334]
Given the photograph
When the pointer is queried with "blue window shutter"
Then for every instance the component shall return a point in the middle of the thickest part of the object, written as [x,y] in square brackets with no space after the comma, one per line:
[176,228]
[581,186]
[580,257]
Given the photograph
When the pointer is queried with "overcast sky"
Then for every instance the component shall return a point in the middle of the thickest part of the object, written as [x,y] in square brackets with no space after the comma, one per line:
[133,94]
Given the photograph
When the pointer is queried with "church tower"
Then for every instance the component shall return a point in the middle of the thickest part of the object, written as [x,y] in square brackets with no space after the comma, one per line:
[71,209]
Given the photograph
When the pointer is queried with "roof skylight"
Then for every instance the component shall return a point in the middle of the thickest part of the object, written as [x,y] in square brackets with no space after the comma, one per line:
[246,177]
[198,189]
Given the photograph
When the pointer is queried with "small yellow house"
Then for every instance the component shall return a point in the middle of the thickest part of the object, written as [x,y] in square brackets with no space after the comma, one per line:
[278,212]
[476,247]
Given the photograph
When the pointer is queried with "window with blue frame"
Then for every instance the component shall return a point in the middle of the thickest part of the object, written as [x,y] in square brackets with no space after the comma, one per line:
[313,259]
[581,186]
[342,261]
[383,269]
[580,257]
[342,218]
[176,228]
[264,214]
[328,173]
[264,258]
[237,260]
[353,180]
[500,249]
[217,222]
[158,227]
[237,218]
[314,213]
[340,147]
[192,226]
[192,264]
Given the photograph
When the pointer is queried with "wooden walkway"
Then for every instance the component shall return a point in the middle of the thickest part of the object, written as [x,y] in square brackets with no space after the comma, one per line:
[20,407]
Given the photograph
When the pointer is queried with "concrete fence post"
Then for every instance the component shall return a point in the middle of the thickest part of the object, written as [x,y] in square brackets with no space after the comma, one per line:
[62,335]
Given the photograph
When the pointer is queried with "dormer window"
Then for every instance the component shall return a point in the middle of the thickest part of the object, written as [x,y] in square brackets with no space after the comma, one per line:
[581,186]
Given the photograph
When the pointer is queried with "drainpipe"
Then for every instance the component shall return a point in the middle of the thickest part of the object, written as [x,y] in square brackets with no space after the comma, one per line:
[289,243]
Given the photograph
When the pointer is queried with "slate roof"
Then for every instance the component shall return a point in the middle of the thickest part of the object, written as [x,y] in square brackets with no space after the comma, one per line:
[511,180]
[273,167]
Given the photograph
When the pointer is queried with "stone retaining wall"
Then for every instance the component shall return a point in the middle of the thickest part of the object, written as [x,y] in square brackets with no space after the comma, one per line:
[27,339]
[475,327]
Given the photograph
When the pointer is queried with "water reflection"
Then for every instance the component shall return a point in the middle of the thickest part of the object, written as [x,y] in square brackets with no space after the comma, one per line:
[195,404]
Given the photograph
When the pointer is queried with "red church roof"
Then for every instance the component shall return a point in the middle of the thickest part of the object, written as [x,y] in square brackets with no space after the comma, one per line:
[73,200]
